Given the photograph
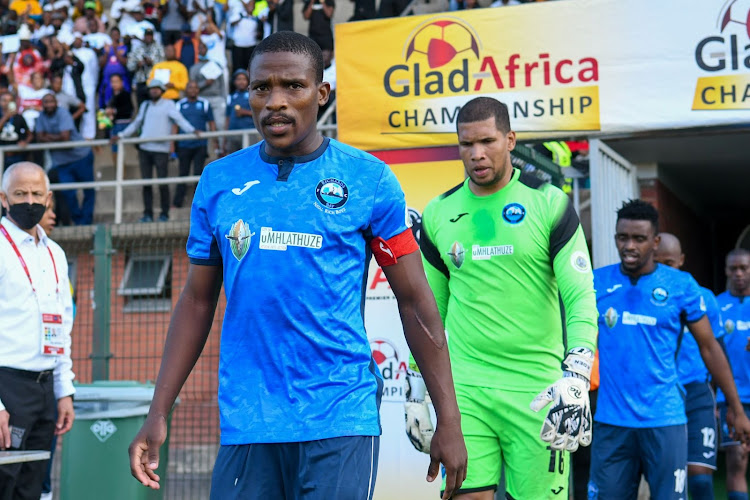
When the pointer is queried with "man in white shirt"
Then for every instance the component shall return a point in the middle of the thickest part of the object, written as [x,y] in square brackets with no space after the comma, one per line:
[89,78]
[36,317]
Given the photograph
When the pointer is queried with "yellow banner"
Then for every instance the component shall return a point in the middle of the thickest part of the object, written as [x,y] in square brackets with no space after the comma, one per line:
[403,81]
[723,92]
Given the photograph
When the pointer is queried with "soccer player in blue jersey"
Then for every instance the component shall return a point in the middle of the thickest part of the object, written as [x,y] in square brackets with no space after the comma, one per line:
[288,225]
[640,417]
[735,310]
[700,406]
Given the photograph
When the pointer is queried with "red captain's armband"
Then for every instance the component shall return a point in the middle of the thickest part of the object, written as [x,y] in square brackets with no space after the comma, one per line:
[388,251]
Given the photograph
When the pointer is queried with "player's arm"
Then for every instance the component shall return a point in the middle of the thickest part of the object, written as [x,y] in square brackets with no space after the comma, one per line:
[717,364]
[426,338]
[569,423]
[187,334]
[435,269]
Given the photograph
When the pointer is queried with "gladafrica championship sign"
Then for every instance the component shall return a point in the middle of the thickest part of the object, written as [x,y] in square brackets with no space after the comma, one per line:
[580,67]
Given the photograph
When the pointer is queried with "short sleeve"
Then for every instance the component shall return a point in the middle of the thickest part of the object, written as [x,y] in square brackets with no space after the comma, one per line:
[202,248]
[694,305]
[209,112]
[389,215]
[66,121]
[714,314]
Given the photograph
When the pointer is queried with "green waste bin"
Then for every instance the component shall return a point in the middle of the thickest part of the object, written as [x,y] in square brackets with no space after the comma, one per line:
[95,463]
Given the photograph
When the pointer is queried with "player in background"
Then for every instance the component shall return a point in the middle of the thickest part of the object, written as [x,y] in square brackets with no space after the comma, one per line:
[501,251]
[700,404]
[287,225]
[735,310]
[640,422]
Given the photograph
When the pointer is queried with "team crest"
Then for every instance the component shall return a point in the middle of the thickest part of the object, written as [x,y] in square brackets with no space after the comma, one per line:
[729,326]
[457,254]
[580,262]
[239,237]
[611,317]
[660,295]
[513,213]
[332,193]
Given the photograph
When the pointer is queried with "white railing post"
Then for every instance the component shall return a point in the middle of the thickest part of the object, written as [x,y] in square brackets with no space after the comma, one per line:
[119,177]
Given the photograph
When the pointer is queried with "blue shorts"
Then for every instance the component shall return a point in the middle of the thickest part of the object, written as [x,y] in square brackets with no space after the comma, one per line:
[343,467]
[700,407]
[726,439]
[620,454]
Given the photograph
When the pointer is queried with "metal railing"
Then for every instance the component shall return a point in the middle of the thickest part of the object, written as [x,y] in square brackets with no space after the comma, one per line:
[119,182]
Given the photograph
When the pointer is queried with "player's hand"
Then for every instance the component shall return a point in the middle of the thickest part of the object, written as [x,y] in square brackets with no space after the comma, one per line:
[65,415]
[739,425]
[419,428]
[447,447]
[4,430]
[568,422]
[144,451]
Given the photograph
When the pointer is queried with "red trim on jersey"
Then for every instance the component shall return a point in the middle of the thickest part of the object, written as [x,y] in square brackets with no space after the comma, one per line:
[388,251]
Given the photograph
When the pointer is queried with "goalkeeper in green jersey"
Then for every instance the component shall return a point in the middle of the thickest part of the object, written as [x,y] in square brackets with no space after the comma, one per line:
[507,260]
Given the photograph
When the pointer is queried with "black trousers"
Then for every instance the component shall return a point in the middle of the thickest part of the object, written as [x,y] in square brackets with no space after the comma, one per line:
[187,157]
[148,160]
[582,462]
[31,406]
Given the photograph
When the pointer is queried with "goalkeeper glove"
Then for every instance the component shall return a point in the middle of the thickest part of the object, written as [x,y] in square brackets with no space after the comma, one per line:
[419,428]
[568,422]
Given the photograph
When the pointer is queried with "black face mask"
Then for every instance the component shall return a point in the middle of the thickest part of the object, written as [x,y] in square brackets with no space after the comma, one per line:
[26,215]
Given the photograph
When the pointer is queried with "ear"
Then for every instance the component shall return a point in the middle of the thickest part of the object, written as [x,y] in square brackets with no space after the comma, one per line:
[657,240]
[324,92]
[4,201]
[511,140]
[682,259]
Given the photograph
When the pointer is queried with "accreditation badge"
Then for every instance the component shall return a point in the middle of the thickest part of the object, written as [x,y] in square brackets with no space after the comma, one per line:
[53,342]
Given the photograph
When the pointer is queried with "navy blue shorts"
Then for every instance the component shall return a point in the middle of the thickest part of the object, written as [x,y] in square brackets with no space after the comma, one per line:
[619,455]
[700,407]
[726,439]
[343,467]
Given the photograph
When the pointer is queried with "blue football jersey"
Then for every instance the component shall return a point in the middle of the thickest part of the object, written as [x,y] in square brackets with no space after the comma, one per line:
[292,237]
[735,312]
[690,365]
[640,323]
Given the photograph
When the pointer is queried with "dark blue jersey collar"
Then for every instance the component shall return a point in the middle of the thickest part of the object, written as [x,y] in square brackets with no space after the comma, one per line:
[294,159]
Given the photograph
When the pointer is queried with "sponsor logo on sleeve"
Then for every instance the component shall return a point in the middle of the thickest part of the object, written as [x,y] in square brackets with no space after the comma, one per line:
[580,262]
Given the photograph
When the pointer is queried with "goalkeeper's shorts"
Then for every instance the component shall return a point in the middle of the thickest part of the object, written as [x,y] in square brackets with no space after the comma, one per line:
[501,430]
[325,469]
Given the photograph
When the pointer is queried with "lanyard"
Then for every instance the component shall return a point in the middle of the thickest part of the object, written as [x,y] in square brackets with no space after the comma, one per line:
[23,262]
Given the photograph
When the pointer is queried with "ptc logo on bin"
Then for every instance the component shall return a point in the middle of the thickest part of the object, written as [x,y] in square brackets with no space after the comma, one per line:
[103,429]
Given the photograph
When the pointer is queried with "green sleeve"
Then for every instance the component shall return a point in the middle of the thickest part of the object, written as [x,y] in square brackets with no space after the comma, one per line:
[572,267]
[435,269]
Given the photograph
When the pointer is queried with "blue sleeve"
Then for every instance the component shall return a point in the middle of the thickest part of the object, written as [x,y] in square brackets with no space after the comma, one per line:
[714,313]
[40,125]
[209,112]
[229,105]
[389,213]
[694,305]
[202,248]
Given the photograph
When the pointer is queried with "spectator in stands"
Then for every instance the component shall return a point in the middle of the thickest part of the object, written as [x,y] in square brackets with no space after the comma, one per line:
[119,14]
[209,76]
[114,61]
[119,109]
[71,69]
[46,28]
[141,60]
[393,8]
[89,22]
[504,3]
[171,72]
[197,111]
[137,30]
[173,14]
[26,7]
[30,98]
[27,61]
[215,40]
[320,13]
[154,119]
[244,33]
[48,223]
[62,7]
[186,47]
[197,13]
[219,12]
[72,103]
[71,165]
[239,113]
[89,79]
[13,129]
[363,9]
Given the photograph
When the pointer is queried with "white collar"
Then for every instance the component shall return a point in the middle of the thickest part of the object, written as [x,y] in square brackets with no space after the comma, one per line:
[18,235]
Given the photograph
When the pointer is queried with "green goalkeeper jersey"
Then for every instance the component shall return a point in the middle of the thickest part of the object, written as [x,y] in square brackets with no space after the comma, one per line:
[500,266]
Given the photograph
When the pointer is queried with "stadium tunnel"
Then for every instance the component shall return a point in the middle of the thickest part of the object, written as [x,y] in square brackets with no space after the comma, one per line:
[698,180]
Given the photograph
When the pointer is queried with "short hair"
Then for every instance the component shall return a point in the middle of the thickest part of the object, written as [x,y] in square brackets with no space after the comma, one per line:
[738,252]
[639,210]
[21,164]
[481,108]
[296,43]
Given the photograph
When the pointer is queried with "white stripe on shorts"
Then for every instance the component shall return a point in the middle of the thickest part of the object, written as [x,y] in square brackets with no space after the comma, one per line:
[372,459]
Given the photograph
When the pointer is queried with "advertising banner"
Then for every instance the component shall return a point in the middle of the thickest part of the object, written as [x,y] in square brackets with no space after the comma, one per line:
[579,67]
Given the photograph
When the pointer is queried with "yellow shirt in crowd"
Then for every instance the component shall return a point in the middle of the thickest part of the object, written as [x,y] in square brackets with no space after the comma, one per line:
[178,76]
[20,7]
